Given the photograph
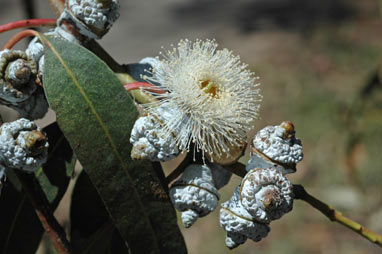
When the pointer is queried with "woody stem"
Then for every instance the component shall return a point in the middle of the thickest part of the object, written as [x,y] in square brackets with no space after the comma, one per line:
[41,205]
[27,23]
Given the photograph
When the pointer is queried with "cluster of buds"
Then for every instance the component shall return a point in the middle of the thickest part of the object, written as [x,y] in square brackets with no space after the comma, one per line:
[197,108]
[265,194]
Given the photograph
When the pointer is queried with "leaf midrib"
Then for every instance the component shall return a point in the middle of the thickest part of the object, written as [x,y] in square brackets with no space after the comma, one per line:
[107,133]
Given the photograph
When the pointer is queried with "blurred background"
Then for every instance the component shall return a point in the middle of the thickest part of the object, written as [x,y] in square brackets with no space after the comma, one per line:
[320,67]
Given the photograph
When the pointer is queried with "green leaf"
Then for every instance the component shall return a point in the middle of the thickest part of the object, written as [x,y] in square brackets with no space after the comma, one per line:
[96,237]
[18,219]
[55,175]
[96,116]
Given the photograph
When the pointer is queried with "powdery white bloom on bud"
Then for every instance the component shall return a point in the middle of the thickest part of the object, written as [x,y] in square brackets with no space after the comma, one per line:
[18,77]
[20,81]
[279,145]
[147,142]
[239,223]
[266,194]
[194,194]
[92,18]
[22,145]
[214,96]
[35,50]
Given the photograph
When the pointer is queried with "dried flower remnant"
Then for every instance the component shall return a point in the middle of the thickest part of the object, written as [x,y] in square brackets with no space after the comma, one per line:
[18,77]
[194,193]
[22,145]
[214,97]
[277,146]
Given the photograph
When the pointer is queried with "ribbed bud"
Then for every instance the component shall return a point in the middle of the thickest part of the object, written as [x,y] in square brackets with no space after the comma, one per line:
[194,193]
[92,18]
[239,223]
[148,144]
[279,145]
[18,77]
[266,194]
[22,145]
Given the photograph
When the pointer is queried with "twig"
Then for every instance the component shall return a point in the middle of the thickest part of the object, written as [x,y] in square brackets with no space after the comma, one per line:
[41,205]
[18,37]
[334,215]
[27,23]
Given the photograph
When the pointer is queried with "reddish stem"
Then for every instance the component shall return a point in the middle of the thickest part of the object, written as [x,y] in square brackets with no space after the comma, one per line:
[148,86]
[27,23]
[40,203]
[18,37]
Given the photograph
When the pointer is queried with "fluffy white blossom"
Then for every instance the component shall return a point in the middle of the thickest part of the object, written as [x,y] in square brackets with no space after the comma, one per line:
[214,97]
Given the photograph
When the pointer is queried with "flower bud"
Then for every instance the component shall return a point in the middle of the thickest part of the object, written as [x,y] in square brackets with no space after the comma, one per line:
[148,144]
[239,223]
[278,144]
[194,193]
[91,18]
[18,77]
[22,145]
[266,194]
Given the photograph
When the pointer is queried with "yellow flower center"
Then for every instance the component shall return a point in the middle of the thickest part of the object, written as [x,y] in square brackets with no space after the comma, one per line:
[210,88]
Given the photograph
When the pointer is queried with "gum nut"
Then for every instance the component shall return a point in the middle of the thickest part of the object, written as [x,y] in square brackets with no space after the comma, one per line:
[194,193]
[236,220]
[266,194]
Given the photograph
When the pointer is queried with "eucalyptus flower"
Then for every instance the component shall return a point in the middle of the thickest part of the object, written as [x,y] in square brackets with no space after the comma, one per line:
[213,96]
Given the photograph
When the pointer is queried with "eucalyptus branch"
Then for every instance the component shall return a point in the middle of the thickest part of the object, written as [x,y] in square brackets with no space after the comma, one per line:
[41,205]
[27,24]
[334,215]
